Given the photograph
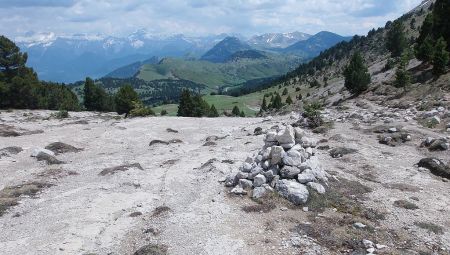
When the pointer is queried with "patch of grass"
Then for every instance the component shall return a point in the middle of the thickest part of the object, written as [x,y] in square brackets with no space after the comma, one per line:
[10,196]
[406,205]
[438,230]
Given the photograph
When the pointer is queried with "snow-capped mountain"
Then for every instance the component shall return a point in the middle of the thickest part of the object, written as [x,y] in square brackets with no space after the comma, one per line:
[69,58]
[277,40]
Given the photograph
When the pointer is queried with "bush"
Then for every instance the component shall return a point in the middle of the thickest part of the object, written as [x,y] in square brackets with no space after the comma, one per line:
[62,114]
[312,112]
[236,112]
[163,112]
[139,110]
[389,65]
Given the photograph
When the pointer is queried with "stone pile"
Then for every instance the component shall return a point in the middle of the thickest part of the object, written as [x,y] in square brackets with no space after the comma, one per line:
[286,164]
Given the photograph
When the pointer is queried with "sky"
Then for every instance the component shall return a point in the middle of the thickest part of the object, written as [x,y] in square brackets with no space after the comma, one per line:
[196,17]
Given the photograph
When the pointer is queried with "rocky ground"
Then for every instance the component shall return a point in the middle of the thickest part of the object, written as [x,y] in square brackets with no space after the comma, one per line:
[157,186]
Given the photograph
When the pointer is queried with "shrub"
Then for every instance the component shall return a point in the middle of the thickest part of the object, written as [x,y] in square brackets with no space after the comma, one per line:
[236,112]
[62,114]
[139,110]
[163,112]
[312,112]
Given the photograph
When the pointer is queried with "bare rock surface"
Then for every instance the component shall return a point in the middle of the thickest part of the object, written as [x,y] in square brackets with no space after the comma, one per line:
[180,204]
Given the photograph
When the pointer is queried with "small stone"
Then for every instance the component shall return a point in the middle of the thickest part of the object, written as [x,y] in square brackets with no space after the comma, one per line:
[359,225]
[367,243]
[245,184]
[287,136]
[371,250]
[317,187]
[289,172]
[283,209]
[380,246]
[238,191]
[39,150]
[259,192]
[392,130]
[293,191]
[306,176]
[259,180]
[276,155]
[241,175]
[305,209]
[296,241]
[247,167]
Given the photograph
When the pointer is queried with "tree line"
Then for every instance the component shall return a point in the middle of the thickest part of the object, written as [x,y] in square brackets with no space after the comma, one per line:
[20,87]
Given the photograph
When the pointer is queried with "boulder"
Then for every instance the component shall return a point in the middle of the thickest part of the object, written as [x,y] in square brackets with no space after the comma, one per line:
[241,175]
[59,148]
[317,187]
[289,172]
[306,176]
[245,184]
[436,167]
[299,133]
[286,137]
[266,153]
[269,175]
[265,165]
[308,142]
[8,151]
[36,151]
[258,131]
[231,180]
[293,191]
[51,160]
[435,120]
[259,180]
[439,145]
[274,181]
[255,171]
[293,158]
[276,155]
[259,192]
[247,167]
[271,136]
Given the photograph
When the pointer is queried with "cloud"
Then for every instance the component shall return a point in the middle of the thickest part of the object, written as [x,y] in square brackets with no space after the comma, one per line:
[36,3]
[197,17]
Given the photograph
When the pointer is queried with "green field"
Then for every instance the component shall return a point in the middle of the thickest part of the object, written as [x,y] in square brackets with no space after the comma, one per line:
[250,103]
[215,75]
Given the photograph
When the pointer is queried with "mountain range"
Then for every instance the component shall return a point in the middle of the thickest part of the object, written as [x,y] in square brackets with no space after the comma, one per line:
[72,58]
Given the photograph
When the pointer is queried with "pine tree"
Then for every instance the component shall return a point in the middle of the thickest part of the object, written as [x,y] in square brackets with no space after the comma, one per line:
[236,111]
[289,100]
[277,102]
[200,106]
[424,51]
[402,76]
[213,112]
[357,77]
[264,104]
[285,92]
[396,40]
[89,95]
[440,57]
[125,99]
[185,106]
[242,114]
[441,21]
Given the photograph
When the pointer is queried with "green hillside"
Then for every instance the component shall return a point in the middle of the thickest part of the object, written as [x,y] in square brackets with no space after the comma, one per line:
[218,75]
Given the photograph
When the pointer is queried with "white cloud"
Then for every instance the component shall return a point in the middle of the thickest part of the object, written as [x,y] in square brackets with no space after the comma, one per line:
[197,17]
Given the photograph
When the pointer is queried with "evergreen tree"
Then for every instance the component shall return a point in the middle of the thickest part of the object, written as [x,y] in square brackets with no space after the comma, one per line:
[440,57]
[125,99]
[264,104]
[200,106]
[242,114]
[12,61]
[186,105]
[236,112]
[441,21]
[396,40]
[424,51]
[402,76]
[289,100]
[89,95]
[285,91]
[277,102]
[357,77]
[213,112]
[426,30]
